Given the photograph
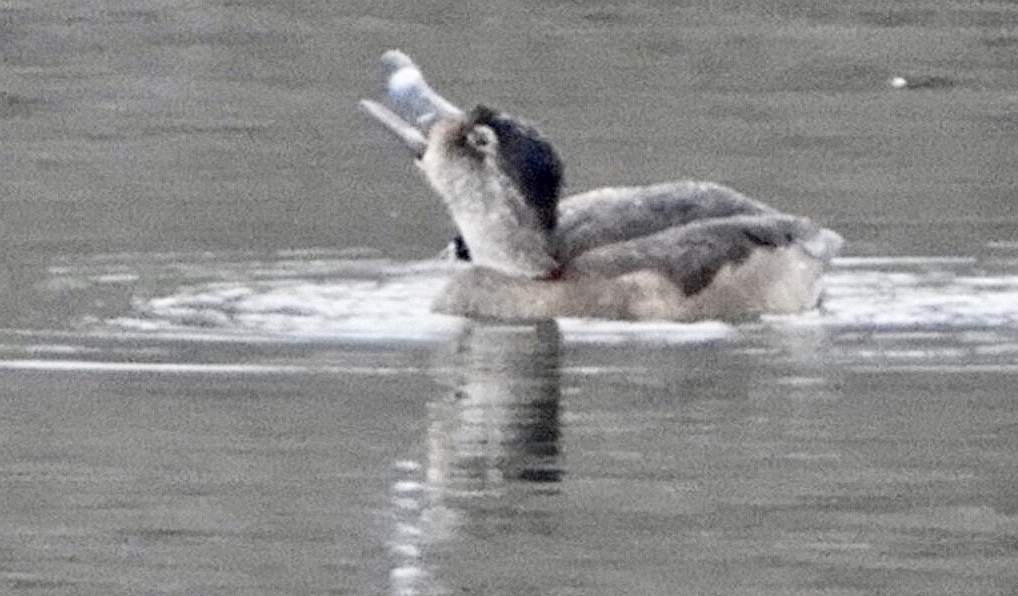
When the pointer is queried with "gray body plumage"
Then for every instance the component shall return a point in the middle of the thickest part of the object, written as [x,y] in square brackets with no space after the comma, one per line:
[691,255]
[615,214]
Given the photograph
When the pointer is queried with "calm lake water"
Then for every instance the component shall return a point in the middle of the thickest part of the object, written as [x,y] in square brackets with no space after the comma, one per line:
[219,375]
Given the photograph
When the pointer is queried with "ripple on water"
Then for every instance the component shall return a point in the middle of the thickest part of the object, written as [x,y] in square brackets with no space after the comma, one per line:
[350,299]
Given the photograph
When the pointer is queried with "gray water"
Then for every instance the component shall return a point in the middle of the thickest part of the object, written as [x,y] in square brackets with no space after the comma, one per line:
[218,373]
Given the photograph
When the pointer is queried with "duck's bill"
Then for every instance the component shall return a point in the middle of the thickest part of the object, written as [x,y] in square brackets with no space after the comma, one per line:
[413,105]
[410,136]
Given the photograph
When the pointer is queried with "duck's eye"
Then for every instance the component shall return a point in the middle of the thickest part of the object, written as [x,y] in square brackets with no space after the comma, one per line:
[481,138]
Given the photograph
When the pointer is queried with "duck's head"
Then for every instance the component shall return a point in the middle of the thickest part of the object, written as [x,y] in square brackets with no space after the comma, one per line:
[498,176]
[490,161]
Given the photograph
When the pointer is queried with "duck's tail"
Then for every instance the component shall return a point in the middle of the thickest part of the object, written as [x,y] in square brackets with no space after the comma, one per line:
[824,245]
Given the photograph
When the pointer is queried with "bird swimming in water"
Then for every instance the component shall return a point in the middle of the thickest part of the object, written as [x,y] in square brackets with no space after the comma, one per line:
[681,251]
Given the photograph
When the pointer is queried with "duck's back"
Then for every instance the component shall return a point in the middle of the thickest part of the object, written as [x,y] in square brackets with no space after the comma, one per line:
[616,214]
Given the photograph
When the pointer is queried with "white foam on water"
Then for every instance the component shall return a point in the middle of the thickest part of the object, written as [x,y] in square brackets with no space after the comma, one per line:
[391,304]
[377,300]
[919,297]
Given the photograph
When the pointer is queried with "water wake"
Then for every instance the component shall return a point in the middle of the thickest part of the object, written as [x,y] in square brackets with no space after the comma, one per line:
[388,301]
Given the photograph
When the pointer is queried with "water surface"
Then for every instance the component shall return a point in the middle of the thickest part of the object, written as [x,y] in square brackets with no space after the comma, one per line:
[220,376]
[302,424]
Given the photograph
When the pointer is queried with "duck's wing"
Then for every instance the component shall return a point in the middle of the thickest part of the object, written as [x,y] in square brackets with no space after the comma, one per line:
[692,255]
[618,214]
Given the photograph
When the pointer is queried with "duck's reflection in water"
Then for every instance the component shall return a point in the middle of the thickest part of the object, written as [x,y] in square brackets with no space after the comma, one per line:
[500,422]
[492,442]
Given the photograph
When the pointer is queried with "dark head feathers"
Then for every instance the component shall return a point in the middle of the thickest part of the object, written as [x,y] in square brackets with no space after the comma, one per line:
[528,159]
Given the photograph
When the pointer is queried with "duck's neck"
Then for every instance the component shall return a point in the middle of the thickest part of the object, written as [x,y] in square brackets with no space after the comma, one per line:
[501,230]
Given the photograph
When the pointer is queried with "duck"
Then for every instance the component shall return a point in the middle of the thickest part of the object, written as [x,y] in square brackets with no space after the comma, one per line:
[684,250]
